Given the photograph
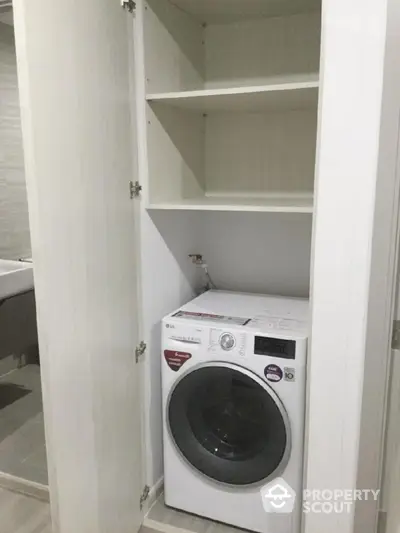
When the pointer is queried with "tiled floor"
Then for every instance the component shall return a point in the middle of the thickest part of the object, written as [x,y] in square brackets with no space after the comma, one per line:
[22,442]
[21,514]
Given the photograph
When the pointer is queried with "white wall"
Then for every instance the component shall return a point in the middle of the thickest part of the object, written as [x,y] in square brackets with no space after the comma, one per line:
[258,252]
[168,280]
[14,223]
[251,252]
[18,316]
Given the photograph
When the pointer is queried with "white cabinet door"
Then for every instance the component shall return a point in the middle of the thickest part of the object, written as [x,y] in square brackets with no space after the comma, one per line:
[73,59]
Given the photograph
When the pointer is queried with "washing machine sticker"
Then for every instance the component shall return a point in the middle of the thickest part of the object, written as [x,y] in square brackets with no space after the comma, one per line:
[273,373]
[176,360]
[290,374]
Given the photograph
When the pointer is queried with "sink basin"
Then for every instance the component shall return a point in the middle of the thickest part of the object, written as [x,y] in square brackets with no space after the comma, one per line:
[15,277]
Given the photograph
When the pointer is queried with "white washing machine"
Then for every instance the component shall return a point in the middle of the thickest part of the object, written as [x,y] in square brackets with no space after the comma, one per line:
[233,377]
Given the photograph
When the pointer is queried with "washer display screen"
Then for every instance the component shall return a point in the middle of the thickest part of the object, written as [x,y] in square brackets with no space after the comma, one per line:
[275,347]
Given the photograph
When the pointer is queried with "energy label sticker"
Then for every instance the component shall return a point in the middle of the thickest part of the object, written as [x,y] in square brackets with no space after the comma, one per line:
[207,317]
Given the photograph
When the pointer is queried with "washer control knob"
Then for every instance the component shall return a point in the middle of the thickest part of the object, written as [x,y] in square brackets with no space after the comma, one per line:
[227,341]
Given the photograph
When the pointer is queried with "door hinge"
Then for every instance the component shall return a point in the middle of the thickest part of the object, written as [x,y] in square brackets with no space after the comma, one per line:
[130,5]
[134,189]
[144,495]
[140,350]
[396,335]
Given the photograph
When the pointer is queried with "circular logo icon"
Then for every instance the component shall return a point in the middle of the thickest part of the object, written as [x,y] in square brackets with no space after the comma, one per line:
[273,373]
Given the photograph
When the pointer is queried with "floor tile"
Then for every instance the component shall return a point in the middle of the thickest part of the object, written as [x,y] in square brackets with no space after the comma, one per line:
[22,439]
[37,458]
[21,514]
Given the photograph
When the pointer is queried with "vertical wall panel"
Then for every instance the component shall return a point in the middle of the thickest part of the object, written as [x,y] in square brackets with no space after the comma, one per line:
[14,223]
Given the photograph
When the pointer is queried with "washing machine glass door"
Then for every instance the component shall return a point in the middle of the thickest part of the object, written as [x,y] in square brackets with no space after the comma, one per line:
[229,424]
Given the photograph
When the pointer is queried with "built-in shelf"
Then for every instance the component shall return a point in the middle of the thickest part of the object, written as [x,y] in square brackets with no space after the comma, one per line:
[231,105]
[290,95]
[217,11]
[274,204]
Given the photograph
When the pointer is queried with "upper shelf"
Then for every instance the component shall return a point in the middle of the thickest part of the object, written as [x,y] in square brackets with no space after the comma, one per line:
[216,11]
[284,203]
[290,95]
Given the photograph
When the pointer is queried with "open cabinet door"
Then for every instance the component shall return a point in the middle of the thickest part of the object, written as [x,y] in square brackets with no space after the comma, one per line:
[74,62]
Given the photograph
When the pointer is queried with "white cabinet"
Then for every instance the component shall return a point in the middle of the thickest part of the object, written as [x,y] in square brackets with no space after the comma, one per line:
[231,97]
[226,97]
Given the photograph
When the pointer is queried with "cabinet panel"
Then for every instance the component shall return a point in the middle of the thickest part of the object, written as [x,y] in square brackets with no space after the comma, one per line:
[181,54]
[261,51]
[174,48]
[175,150]
[78,132]
[231,161]
[216,11]
[266,154]
[231,105]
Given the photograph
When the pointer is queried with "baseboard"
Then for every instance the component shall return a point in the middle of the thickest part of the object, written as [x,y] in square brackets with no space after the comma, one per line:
[23,486]
[155,491]
[152,526]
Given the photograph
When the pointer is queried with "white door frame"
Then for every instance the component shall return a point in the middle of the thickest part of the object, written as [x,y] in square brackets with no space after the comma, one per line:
[390,481]
[357,198]
[391,461]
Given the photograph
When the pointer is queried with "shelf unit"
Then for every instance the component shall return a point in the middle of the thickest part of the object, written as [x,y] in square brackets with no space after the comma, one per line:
[215,11]
[231,104]
[277,204]
[274,97]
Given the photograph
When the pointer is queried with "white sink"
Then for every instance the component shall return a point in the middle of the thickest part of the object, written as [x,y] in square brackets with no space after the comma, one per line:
[15,277]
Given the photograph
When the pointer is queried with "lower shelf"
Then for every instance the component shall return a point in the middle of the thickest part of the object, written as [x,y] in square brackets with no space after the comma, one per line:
[270,204]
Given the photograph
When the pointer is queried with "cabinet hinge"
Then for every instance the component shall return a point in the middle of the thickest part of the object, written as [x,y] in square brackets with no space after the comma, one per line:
[140,350]
[396,335]
[134,189]
[144,495]
[130,5]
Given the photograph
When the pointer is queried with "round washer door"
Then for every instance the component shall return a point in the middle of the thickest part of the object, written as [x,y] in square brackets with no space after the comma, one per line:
[229,424]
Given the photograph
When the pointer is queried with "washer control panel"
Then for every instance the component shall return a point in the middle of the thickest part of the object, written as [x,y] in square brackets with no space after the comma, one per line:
[227,341]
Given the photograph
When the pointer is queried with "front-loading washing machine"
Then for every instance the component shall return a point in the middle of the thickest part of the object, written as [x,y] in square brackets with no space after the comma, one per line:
[233,380]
